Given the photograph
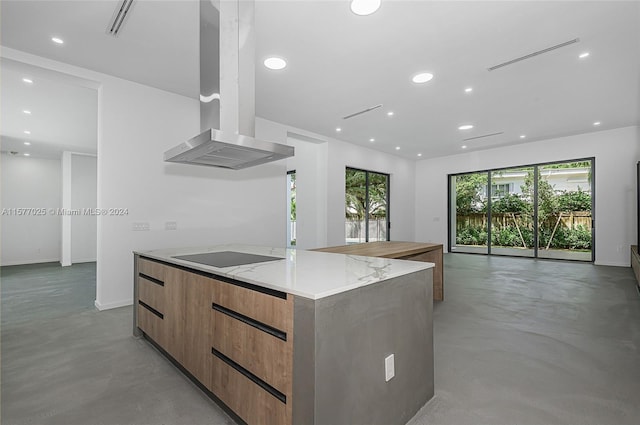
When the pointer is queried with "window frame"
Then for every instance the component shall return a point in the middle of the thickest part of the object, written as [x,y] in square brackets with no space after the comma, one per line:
[536,167]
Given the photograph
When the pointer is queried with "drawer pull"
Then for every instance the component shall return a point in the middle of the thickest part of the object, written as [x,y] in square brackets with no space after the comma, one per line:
[151,309]
[246,285]
[262,384]
[251,322]
[151,279]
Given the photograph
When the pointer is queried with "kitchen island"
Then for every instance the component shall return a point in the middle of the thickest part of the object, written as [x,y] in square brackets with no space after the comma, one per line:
[299,338]
[414,251]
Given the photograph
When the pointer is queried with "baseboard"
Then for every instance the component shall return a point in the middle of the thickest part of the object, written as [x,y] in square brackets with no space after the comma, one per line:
[611,263]
[21,263]
[84,260]
[116,304]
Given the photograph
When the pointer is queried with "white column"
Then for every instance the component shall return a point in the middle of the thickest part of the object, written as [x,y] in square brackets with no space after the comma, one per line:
[65,250]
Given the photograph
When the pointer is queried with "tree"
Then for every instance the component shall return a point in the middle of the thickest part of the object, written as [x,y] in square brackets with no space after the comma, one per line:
[469,188]
[356,195]
[547,199]
[293,197]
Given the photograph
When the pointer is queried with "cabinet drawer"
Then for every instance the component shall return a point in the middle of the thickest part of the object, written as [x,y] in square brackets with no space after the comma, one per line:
[151,324]
[151,293]
[255,405]
[267,356]
[268,309]
[151,269]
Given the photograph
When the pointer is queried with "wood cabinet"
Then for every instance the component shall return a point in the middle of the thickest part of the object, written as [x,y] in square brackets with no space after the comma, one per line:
[253,403]
[432,256]
[198,324]
[151,300]
[234,338]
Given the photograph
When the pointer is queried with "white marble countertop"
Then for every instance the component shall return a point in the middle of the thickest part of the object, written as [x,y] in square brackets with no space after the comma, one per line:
[307,274]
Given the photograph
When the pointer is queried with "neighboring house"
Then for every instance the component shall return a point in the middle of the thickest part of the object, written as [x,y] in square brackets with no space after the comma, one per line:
[561,179]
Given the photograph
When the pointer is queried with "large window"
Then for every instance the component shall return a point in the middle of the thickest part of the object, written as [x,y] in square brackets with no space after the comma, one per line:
[366,206]
[291,208]
[543,211]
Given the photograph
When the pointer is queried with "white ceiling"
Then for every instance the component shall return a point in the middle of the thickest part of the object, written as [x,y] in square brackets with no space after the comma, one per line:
[63,112]
[340,63]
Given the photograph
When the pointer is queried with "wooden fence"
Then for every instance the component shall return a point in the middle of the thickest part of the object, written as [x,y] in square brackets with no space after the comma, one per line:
[355,230]
[570,219]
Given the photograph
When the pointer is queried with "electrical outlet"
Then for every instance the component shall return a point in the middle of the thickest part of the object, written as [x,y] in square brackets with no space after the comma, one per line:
[140,226]
[170,225]
[389,367]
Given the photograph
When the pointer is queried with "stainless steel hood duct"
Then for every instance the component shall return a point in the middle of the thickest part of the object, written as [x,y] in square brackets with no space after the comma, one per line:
[227,93]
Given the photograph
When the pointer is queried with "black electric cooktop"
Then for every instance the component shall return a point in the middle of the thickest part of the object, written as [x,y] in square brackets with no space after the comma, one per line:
[226,258]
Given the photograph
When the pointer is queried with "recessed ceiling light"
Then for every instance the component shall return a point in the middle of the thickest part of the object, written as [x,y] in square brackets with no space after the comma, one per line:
[464,146]
[584,55]
[372,140]
[468,90]
[26,111]
[597,123]
[27,143]
[338,129]
[275,63]
[522,136]
[27,80]
[390,113]
[27,132]
[419,154]
[364,7]
[465,127]
[27,154]
[422,77]
[397,148]
[57,40]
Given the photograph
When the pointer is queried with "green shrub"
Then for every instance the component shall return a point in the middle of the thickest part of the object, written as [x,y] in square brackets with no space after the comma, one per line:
[566,238]
[471,236]
[509,236]
[511,203]
[574,201]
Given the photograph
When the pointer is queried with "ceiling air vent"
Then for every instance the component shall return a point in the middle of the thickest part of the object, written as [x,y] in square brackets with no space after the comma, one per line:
[483,136]
[364,111]
[119,16]
[531,55]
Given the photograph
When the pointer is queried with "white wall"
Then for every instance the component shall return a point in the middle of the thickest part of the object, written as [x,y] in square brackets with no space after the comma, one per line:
[325,160]
[136,125]
[615,151]
[402,172]
[310,163]
[30,183]
[211,206]
[84,194]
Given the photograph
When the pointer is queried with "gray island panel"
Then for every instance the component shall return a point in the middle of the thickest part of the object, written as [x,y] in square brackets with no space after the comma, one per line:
[353,332]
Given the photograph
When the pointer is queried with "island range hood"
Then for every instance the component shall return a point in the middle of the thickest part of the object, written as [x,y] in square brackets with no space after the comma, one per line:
[227,93]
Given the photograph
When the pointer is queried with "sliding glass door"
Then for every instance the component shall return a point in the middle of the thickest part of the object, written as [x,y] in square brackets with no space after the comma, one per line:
[469,220]
[565,211]
[511,206]
[366,206]
[542,211]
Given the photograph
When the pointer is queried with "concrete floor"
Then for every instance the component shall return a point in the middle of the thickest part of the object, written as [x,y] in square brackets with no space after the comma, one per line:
[517,341]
